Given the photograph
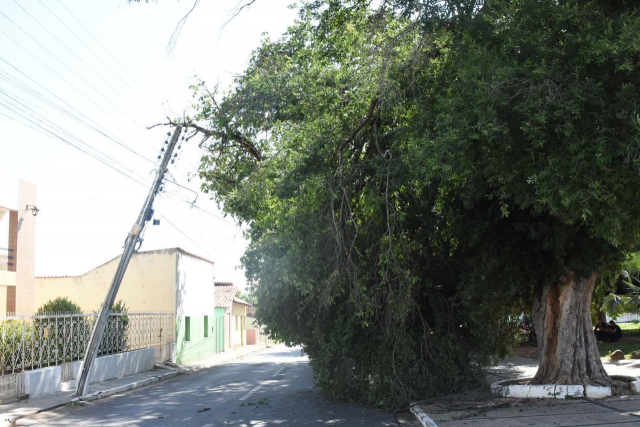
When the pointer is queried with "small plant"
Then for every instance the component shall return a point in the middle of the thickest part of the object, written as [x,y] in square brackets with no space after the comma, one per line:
[16,343]
[58,305]
[263,401]
[56,328]
[115,337]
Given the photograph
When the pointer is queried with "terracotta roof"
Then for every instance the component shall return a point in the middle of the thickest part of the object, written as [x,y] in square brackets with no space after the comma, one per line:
[223,283]
[240,301]
[224,295]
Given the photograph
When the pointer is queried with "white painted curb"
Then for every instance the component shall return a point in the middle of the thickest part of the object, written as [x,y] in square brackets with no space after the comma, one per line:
[504,389]
[424,419]
[554,391]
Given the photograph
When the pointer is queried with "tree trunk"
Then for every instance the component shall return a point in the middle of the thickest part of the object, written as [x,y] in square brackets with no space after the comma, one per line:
[567,346]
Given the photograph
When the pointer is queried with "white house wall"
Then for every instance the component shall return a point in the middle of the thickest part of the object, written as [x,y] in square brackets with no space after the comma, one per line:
[194,286]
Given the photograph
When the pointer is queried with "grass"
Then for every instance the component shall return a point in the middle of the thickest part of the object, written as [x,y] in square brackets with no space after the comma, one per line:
[606,349]
[630,328]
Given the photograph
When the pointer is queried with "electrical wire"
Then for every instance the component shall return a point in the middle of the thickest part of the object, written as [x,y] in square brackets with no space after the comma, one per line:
[132,90]
[62,78]
[138,84]
[16,82]
[47,132]
[181,198]
[80,59]
[18,106]
[71,70]
[186,235]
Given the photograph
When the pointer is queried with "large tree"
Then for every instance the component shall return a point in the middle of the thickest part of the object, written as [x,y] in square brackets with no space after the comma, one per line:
[413,175]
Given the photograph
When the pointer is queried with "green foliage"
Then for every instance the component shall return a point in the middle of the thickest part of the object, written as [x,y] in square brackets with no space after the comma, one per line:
[59,305]
[16,342]
[408,180]
[115,337]
[53,334]
[625,292]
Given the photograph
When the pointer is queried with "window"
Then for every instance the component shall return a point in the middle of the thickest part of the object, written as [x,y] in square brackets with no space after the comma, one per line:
[187,328]
[206,326]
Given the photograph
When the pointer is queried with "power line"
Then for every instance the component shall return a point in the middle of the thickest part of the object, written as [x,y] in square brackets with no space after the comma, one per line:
[66,66]
[182,199]
[49,133]
[26,110]
[16,82]
[62,78]
[186,235]
[139,85]
[85,64]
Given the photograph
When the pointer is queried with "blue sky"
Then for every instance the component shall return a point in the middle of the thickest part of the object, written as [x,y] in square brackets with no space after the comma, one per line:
[97,74]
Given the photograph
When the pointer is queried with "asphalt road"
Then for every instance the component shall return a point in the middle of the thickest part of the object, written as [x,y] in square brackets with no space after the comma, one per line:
[270,388]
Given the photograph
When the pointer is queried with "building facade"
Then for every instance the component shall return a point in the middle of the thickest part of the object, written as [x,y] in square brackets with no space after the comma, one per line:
[234,313]
[165,281]
[18,213]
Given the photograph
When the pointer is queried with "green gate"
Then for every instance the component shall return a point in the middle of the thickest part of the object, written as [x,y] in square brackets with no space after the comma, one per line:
[219,330]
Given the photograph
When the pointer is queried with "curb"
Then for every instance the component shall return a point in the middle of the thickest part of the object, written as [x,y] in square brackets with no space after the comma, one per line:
[102,394]
[105,393]
[422,416]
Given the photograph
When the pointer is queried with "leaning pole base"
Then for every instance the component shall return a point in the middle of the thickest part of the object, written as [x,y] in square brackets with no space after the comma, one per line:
[521,388]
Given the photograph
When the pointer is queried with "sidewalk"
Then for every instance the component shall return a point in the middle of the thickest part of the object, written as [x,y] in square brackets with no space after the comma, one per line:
[221,358]
[11,412]
[482,409]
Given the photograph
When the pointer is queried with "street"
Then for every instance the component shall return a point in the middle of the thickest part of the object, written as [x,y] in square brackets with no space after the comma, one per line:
[270,388]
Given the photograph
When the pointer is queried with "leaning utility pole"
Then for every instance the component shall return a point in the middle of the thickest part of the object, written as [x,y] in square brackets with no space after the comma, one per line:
[129,248]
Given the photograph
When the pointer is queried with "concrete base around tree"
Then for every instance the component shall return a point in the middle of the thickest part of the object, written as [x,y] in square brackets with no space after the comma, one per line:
[506,388]
[481,407]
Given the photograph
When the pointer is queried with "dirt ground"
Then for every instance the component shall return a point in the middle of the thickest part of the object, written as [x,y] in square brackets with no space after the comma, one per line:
[526,350]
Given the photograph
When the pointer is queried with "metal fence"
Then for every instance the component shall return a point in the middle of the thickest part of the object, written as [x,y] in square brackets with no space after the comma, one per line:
[33,342]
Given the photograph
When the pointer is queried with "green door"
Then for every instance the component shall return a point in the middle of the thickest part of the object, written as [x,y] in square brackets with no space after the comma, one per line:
[219,330]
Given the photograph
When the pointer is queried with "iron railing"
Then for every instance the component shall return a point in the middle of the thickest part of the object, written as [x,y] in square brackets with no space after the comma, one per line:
[33,342]
[7,259]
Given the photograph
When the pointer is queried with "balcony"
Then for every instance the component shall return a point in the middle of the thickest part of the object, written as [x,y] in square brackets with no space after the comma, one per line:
[7,260]
[7,264]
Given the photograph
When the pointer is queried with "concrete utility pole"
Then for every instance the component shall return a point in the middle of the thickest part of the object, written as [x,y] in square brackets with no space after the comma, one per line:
[129,248]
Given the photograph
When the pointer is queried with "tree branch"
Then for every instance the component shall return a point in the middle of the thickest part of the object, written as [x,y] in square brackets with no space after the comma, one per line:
[363,122]
[176,33]
[243,142]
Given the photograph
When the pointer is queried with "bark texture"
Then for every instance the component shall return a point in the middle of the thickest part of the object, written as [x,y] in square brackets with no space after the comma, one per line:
[567,346]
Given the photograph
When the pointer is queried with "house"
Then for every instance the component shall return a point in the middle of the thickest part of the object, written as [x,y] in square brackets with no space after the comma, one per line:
[255,332]
[18,212]
[234,312]
[159,281]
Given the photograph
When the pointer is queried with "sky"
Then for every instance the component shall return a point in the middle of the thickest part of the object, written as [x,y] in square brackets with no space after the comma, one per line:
[80,82]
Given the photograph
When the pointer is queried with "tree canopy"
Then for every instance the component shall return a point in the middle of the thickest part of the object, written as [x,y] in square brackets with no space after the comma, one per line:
[411,175]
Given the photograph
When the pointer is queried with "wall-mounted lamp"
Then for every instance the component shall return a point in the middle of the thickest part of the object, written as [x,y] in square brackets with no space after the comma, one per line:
[34,209]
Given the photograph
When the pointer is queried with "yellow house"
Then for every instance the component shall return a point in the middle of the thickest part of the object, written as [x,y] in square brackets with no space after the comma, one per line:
[234,311]
[161,281]
[149,285]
